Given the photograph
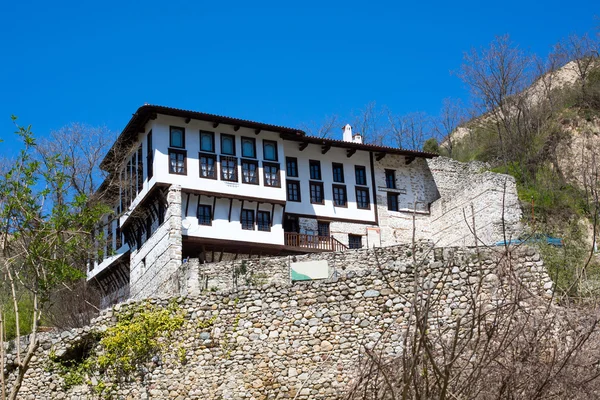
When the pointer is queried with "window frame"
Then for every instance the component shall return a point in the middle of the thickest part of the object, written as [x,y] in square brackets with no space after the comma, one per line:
[211,156]
[258,220]
[345,194]
[287,190]
[367,191]
[253,141]
[224,158]
[210,214]
[181,152]
[246,212]
[396,207]
[257,171]
[212,136]
[149,156]
[317,164]
[274,143]
[265,180]
[232,137]
[171,127]
[293,161]
[352,237]
[310,186]
[321,224]
[340,169]
[390,174]
[363,171]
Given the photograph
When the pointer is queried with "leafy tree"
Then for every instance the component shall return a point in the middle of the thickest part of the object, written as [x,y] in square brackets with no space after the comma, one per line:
[45,234]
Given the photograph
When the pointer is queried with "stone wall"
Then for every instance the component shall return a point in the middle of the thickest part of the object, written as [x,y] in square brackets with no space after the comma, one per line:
[153,264]
[301,341]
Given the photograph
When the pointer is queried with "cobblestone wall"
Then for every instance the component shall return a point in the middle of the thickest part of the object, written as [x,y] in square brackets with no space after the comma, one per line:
[301,341]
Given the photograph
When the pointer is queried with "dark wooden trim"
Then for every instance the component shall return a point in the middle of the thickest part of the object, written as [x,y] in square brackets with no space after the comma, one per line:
[256,215]
[363,188]
[187,120]
[295,161]
[241,210]
[178,151]
[233,196]
[215,124]
[373,187]
[253,162]
[409,159]
[379,156]
[350,152]
[333,167]
[230,206]
[332,219]
[310,164]
[214,204]
[299,190]
[235,168]
[236,128]
[272,214]
[318,183]
[302,146]
[257,131]
[187,204]
[325,148]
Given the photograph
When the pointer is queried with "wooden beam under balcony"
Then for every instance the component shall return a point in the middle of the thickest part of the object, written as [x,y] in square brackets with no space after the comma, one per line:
[215,124]
[325,149]
[350,152]
[379,156]
[409,159]
[302,146]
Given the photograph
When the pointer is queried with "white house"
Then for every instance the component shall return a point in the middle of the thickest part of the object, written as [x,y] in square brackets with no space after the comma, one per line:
[190,184]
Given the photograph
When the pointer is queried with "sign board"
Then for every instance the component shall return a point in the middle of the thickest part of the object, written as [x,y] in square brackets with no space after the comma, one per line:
[309,270]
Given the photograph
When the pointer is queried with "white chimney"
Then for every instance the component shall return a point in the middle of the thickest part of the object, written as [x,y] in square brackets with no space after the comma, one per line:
[357,138]
[347,133]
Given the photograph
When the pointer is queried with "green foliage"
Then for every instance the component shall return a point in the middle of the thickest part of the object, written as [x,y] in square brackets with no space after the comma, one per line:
[25,305]
[431,146]
[134,339]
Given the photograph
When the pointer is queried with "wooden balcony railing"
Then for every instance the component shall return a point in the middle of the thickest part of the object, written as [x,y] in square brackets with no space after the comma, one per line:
[323,243]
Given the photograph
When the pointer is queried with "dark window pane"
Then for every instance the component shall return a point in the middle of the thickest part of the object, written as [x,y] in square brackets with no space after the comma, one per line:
[264,221]
[315,169]
[354,241]
[362,198]
[316,192]
[271,172]
[293,191]
[207,166]
[291,167]
[248,148]
[149,157]
[204,214]
[248,219]
[207,141]
[338,173]
[361,175]
[177,137]
[323,228]
[269,150]
[390,179]
[249,172]
[339,196]
[392,199]
[227,144]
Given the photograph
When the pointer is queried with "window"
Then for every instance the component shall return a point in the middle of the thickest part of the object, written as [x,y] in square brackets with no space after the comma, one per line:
[207,141]
[390,179]
[323,228]
[339,196]
[392,201]
[271,172]
[354,241]
[250,172]
[248,219]
[177,162]
[293,190]
[177,137]
[264,221]
[149,157]
[316,192]
[204,214]
[315,169]
[360,173]
[229,169]
[227,144]
[140,170]
[207,166]
[248,147]
[291,164]
[362,198]
[270,150]
[338,173]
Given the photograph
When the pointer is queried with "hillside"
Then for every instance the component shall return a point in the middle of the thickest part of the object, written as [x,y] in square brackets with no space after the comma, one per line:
[548,137]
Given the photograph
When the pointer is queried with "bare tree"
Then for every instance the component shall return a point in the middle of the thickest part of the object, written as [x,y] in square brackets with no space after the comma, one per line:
[370,124]
[410,130]
[324,129]
[451,116]
[582,51]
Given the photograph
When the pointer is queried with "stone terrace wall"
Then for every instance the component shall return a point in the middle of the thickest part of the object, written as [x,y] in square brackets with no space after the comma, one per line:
[466,190]
[302,341]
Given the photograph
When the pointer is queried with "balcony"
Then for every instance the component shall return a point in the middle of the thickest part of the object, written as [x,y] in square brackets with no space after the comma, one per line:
[312,243]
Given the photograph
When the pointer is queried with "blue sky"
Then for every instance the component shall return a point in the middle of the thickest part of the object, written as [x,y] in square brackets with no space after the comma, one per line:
[278,62]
